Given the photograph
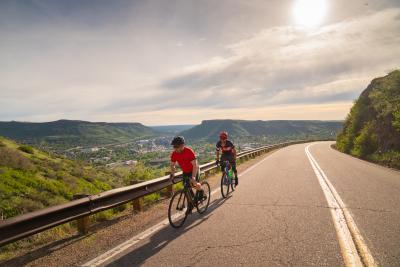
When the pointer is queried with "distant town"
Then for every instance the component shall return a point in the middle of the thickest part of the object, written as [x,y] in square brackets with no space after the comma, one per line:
[154,152]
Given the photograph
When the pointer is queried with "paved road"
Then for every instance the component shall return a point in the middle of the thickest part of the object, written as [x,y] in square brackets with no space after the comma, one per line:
[279,216]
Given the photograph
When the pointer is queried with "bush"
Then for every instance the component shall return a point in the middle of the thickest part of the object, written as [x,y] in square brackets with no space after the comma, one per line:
[2,144]
[366,143]
[396,120]
[13,159]
[390,158]
[151,198]
[26,149]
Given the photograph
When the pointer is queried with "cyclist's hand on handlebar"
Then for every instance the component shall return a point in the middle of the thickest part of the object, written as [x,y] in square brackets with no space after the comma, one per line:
[217,162]
[195,183]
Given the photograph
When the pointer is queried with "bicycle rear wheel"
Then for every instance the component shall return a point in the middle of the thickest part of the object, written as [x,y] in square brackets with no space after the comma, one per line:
[177,211]
[204,201]
[225,184]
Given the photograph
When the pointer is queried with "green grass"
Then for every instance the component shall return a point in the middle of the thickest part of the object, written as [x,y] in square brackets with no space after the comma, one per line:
[32,181]
[26,149]
[151,198]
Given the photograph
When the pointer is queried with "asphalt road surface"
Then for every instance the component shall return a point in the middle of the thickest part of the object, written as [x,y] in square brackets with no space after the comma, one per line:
[281,215]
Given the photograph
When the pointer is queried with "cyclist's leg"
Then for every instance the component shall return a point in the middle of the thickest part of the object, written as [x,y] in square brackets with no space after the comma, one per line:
[199,193]
[222,162]
[232,161]
[186,181]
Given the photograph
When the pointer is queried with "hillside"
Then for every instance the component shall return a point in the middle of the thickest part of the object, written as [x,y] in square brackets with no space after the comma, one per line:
[31,179]
[372,128]
[64,134]
[171,129]
[208,130]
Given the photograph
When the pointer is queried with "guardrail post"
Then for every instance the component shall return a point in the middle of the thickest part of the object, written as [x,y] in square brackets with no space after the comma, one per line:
[137,204]
[83,222]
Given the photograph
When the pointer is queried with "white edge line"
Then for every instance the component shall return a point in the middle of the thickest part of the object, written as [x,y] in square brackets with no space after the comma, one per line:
[146,233]
[350,226]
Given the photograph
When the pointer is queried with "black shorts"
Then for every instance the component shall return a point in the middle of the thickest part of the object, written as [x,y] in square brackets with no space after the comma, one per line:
[187,176]
[229,157]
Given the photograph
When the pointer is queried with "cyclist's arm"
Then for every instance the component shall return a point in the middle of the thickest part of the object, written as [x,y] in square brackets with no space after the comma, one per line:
[195,168]
[172,166]
[234,153]
[217,154]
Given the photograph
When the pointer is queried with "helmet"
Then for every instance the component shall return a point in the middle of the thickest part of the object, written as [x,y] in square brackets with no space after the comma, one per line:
[178,140]
[223,135]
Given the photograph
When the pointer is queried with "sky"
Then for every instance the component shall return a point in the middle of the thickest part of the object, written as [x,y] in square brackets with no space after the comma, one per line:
[183,61]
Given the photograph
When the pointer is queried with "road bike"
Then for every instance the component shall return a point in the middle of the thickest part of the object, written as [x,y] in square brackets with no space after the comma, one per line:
[184,200]
[227,180]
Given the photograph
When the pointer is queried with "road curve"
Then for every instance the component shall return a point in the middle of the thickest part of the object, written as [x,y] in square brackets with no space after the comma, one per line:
[279,216]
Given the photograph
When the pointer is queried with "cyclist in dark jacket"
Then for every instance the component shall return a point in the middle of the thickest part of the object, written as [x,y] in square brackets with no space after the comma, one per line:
[228,152]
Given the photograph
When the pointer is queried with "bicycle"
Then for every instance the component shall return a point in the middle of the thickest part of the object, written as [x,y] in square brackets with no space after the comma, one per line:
[227,179]
[184,200]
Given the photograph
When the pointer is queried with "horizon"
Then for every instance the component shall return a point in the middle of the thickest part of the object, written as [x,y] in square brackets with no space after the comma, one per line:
[132,61]
[150,125]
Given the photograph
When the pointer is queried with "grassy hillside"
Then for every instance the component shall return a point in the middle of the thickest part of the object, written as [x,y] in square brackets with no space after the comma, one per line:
[66,133]
[171,129]
[31,179]
[372,129]
[209,129]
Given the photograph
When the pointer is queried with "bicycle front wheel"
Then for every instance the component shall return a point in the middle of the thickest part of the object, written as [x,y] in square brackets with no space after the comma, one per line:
[203,200]
[225,184]
[177,211]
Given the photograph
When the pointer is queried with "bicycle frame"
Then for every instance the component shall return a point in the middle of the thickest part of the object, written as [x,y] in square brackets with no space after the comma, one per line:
[188,192]
[226,170]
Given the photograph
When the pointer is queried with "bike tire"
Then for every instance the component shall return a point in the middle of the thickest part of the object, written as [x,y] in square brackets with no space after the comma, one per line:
[224,185]
[178,201]
[204,205]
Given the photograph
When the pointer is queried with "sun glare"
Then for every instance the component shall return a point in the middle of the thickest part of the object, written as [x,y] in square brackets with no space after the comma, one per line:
[309,13]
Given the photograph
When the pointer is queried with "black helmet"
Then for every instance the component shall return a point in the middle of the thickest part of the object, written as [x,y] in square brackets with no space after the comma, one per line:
[178,140]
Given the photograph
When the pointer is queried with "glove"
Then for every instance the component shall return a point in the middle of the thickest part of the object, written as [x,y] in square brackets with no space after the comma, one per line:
[217,162]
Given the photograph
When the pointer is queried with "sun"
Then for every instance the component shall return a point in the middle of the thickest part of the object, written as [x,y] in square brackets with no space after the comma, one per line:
[309,13]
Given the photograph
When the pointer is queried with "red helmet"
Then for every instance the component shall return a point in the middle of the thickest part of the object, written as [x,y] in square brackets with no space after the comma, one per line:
[223,135]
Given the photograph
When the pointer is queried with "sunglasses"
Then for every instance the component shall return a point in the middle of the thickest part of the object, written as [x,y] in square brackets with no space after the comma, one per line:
[176,146]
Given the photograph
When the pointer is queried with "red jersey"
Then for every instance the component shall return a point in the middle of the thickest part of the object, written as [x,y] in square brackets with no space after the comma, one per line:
[184,159]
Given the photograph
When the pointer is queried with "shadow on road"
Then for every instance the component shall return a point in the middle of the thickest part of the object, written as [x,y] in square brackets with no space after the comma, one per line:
[162,238]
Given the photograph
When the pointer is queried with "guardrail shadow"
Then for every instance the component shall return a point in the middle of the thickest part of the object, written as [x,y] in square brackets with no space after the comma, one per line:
[30,256]
[46,249]
[162,238]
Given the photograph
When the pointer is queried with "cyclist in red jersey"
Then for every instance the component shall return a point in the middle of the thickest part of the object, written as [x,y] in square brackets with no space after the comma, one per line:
[187,160]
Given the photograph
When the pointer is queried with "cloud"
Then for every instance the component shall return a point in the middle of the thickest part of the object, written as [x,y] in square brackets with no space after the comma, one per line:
[284,65]
[143,64]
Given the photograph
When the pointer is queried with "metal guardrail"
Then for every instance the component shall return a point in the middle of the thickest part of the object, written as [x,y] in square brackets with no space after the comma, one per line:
[31,223]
